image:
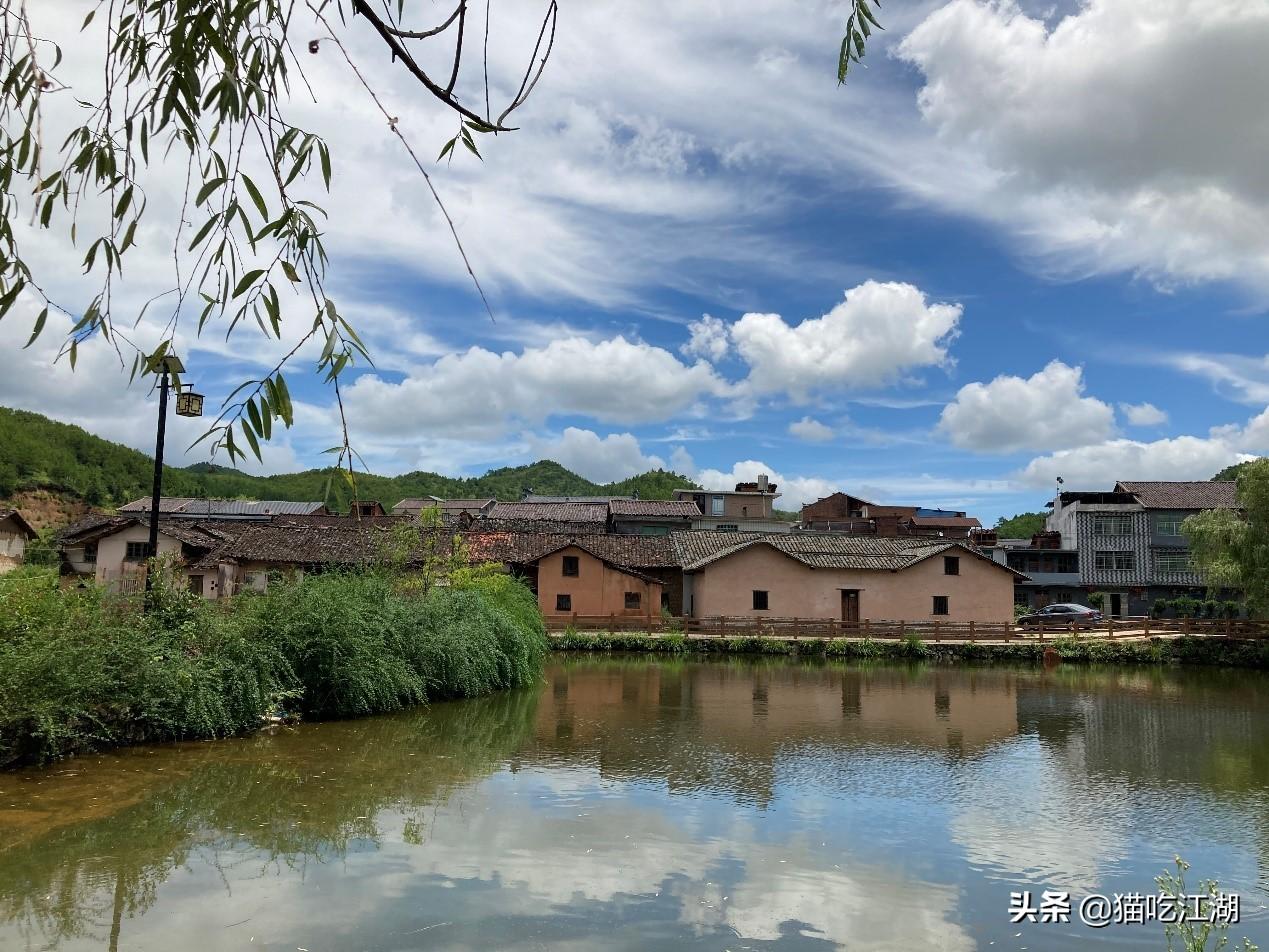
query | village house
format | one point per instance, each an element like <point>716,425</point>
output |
<point>835,576</point>
<point>842,512</point>
<point>596,574</point>
<point>750,507</point>
<point>15,533</point>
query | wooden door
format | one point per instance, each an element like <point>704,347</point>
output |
<point>850,605</point>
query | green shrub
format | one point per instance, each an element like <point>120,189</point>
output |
<point>80,670</point>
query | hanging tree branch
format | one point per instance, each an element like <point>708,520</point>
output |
<point>209,79</point>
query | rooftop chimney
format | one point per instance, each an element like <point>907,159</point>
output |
<point>762,482</point>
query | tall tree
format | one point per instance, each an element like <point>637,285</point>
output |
<point>1231,549</point>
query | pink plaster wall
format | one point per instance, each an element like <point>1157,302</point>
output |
<point>981,593</point>
<point>596,590</point>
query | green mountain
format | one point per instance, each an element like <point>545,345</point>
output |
<point>39,453</point>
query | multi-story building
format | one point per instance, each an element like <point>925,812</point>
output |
<point>1128,542</point>
<point>750,507</point>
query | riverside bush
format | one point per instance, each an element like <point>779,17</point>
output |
<point>81,671</point>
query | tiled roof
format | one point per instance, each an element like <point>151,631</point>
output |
<point>655,508</point>
<point>948,522</point>
<point>595,512</point>
<point>640,552</point>
<point>189,506</point>
<point>1183,495</point>
<point>534,497</point>
<point>444,504</point>
<point>19,519</point>
<point>816,549</point>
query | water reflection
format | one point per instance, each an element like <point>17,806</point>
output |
<point>658,804</point>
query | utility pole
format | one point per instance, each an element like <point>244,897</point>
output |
<point>189,404</point>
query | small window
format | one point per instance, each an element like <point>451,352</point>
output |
<point>563,603</point>
<point>728,527</point>
<point>716,506</point>
<point>1168,524</point>
<point>634,600</point>
<point>90,552</point>
<point>951,565</point>
<point>137,551</point>
<point>940,605</point>
<point>571,566</point>
<point>759,600</point>
<point>196,584</point>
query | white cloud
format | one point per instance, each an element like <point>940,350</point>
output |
<point>1143,414</point>
<point>710,339</point>
<point>681,462</point>
<point>479,394</point>
<point>880,332</point>
<point>1129,135</point>
<point>1045,410</point>
<point>812,431</point>
<point>1182,457</point>
<point>601,460</point>
<point>1236,376</point>
<point>795,491</point>
<point>96,395</point>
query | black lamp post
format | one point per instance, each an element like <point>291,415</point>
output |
<point>188,403</point>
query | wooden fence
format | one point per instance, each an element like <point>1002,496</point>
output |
<point>748,626</point>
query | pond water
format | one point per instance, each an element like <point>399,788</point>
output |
<point>662,804</point>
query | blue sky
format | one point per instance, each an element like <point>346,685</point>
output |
<point>1028,241</point>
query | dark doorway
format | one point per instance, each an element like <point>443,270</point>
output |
<point>850,605</point>
<point>1116,605</point>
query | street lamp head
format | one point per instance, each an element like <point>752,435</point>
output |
<point>189,403</point>
<point>172,364</point>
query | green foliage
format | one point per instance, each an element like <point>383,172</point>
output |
<point>81,671</point>
<point>859,26</point>
<point>1022,526</point>
<point>1232,472</point>
<point>40,453</point>
<point>1230,550</point>
<point>1097,600</point>
<point>1193,934</point>
<point>1249,653</point>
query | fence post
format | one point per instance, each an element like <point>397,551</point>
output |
<point>1185,626</point>
<point>971,629</point>
<point>1110,628</point>
<point>574,621</point>
<point>937,636</point>
<point>1145,627</point>
<point>903,626</point>
<point>722,626</point>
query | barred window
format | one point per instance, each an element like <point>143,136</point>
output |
<point>1168,525</point>
<point>1178,561</point>
<point>1115,561</point>
<point>940,605</point>
<point>137,552</point>
<point>1108,525</point>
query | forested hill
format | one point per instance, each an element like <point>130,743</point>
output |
<point>37,453</point>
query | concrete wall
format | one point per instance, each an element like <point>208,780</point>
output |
<point>982,592</point>
<point>597,589</point>
<point>12,542</point>
<point>112,549</point>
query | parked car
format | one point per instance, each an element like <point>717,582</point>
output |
<point>1062,614</point>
